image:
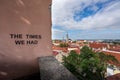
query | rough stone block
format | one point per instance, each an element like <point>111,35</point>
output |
<point>51,69</point>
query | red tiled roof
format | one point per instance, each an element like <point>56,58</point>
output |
<point>77,49</point>
<point>82,44</point>
<point>64,49</point>
<point>115,48</point>
<point>117,56</point>
<point>73,46</point>
<point>114,77</point>
<point>98,45</point>
<point>55,53</point>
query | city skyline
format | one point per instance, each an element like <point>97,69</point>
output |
<point>86,19</point>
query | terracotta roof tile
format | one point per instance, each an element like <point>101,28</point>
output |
<point>117,56</point>
<point>114,77</point>
<point>98,45</point>
<point>64,49</point>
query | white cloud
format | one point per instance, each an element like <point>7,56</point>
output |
<point>63,12</point>
<point>57,33</point>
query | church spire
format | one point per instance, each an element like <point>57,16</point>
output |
<point>67,38</point>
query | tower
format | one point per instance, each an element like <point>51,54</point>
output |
<point>67,38</point>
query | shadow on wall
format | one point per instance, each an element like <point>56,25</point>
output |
<point>11,69</point>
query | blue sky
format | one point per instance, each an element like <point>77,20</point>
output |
<point>86,19</point>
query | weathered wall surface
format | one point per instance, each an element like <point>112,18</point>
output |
<point>23,17</point>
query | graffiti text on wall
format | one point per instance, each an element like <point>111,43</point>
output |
<point>27,39</point>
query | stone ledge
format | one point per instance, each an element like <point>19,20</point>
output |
<point>51,69</point>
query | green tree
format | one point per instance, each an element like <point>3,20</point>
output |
<point>63,45</point>
<point>88,65</point>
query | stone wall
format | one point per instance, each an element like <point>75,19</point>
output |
<point>51,69</point>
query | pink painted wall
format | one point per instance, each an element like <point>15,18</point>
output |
<point>23,17</point>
